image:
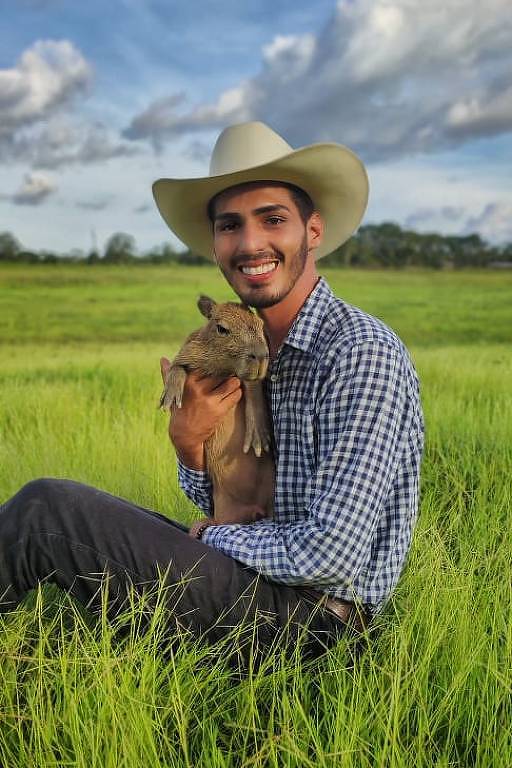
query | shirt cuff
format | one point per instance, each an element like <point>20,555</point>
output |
<point>196,477</point>
<point>215,534</point>
<point>197,485</point>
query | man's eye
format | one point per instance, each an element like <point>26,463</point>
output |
<point>275,219</point>
<point>227,226</point>
<point>222,330</point>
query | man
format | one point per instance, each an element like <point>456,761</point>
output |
<point>347,420</point>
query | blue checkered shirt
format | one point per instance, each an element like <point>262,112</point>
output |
<point>349,432</point>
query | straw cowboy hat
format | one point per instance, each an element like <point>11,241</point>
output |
<point>332,175</point>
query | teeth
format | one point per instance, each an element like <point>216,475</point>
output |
<point>259,270</point>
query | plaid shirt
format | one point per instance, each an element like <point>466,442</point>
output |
<point>349,432</point>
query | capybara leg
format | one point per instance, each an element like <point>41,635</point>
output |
<point>257,424</point>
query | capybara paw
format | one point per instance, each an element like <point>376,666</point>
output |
<point>173,390</point>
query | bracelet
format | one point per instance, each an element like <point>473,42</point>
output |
<point>201,529</point>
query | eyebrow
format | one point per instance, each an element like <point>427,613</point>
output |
<point>256,212</point>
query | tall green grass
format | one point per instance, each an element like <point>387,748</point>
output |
<point>79,384</point>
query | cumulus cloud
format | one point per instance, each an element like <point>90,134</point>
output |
<point>47,75</point>
<point>63,141</point>
<point>37,100</point>
<point>156,121</point>
<point>494,223</point>
<point>387,77</point>
<point>423,216</point>
<point>164,119</point>
<point>35,189</point>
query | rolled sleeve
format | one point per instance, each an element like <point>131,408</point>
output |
<point>197,486</point>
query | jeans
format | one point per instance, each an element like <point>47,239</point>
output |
<point>88,541</point>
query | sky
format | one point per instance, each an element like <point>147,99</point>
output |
<point>98,99</point>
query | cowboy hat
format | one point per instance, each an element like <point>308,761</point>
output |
<point>332,175</point>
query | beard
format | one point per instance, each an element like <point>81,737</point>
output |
<point>297,265</point>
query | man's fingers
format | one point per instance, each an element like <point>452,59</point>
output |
<point>202,382</point>
<point>219,385</point>
<point>228,387</point>
<point>231,398</point>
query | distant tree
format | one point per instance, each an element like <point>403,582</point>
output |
<point>92,257</point>
<point>373,246</point>
<point>506,252</point>
<point>120,248</point>
<point>29,257</point>
<point>9,247</point>
<point>190,258</point>
<point>161,254</point>
<point>48,257</point>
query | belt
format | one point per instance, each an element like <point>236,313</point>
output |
<point>354,616</point>
<point>351,614</point>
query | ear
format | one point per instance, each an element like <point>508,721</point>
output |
<point>315,231</point>
<point>206,305</point>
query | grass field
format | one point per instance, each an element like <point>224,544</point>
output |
<point>79,383</point>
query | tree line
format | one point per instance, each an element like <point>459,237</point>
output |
<point>373,246</point>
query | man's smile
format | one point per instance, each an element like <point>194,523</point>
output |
<point>258,270</point>
<point>268,266</point>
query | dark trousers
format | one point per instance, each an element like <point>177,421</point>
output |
<point>90,542</point>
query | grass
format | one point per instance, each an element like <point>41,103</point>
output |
<point>79,383</point>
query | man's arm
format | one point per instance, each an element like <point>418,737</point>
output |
<point>197,486</point>
<point>364,417</point>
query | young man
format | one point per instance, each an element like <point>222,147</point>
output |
<point>347,419</point>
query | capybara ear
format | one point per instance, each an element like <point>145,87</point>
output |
<point>206,305</point>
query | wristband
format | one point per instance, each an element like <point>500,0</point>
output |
<point>201,529</point>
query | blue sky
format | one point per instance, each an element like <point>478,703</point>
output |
<point>99,99</point>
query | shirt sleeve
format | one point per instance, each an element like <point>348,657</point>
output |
<point>197,486</point>
<point>363,419</point>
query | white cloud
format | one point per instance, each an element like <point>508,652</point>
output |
<point>494,223</point>
<point>482,114</point>
<point>386,77</point>
<point>35,189</point>
<point>294,50</point>
<point>427,216</point>
<point>63,140</point>
<point>47,75</point>
<point>443,193</point>
<point>39,110</point>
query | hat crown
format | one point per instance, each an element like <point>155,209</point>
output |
<point>246,145</point>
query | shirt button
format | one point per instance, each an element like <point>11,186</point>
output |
<point>274,377</point>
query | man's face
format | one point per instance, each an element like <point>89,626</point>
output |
<point>260,242</point>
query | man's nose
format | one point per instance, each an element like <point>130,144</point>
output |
<point>252,239</point>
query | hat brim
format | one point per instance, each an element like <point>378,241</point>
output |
<point>332,175</point>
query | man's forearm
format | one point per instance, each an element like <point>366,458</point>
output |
<point>191,456</point>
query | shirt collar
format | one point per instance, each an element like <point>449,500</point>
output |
<point>306,326</point>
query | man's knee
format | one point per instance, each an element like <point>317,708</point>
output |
<point>42,489</point>
<point>37,501</point>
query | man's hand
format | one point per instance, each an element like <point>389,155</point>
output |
<point>206,400</point>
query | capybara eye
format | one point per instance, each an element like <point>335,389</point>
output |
<point>222,329</point>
